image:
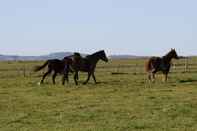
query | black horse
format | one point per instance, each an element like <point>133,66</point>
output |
<point>87,64</point>
<point>155,64</point>
<point>58,66</point>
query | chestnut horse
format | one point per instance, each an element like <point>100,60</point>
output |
<point>163,64</point>
<point>87,64</point>
<point>58,66</point>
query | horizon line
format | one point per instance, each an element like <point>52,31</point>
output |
<point>111,54</point>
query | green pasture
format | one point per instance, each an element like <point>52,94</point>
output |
<point>124,101</point>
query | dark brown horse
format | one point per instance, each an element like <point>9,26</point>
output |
<point>155,64</point>
<point>87,64</point>
<point>58,66</point>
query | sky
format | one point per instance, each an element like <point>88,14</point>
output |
<point>136,27</point>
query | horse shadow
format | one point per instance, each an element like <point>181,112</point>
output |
<point>188,81</point>
<point>101,82</point>
<point>108,82</point>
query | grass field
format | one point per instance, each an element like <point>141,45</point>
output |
<point>124,102</point>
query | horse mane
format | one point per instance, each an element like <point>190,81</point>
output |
<point>94,53</point>
<point>97,52</point>
<point>168,56</point>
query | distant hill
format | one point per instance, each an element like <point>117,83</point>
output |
<point>126,57</point>
<point>58,55</point>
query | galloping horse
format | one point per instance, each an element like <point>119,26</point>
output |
<point>87,64</point>
<point>58,66</point>
<point>155,64</point>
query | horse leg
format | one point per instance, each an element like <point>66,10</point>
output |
<point>94,78</point>
<point>65,77</point>
<point>165,77</point>
<point>75,77</point>
<point>149,76</point>
<point>53,77</point>
<point>153,77</point>
<point>89,74</point>
<point>48,72</point>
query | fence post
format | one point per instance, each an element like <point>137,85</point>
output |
<point>118,69</point>
<point>186,65</point>
<point>135,71</point>
<point>173,67</point>
<point>24,71</point>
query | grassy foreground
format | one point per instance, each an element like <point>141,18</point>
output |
<point>125,102</point>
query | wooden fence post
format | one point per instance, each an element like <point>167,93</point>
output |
<point>186,65</point>
<point>24,71</point>
<point>135,71</point>
<point>118,69</point>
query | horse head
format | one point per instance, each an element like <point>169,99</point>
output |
<point>103,56</point>
<point>174,54</point>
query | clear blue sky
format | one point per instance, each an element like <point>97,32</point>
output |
<point>139,27</point>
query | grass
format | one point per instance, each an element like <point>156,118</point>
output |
<point>122,102</point>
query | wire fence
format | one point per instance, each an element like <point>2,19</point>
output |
<point>136,67</point>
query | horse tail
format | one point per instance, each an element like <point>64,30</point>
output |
<point>148,65</point>
<point>38,68</point>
